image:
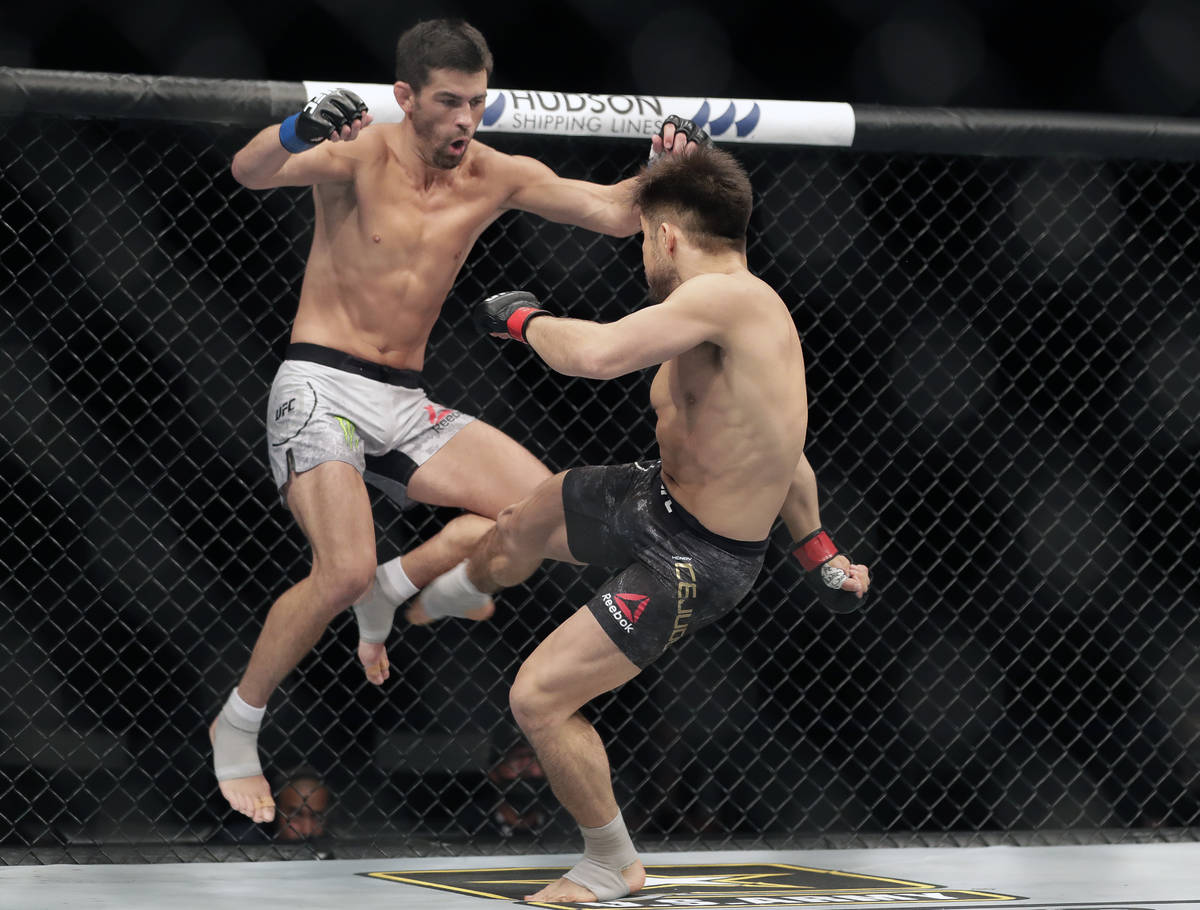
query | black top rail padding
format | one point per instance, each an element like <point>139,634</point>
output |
<point>968,131</point>
<point>77,94</point>
<point>877,128</point>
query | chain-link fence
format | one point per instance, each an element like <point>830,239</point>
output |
<point>1005,421</point>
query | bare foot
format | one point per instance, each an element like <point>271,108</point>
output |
<point>373,656</point>
<point>249,795</point>
<point>416,614</point>
<point>567,891</point>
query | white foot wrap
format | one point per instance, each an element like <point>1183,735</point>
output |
<point>452,594</point>
<point>378,607</point>
<point>235,744</point>
<point>606,852</point>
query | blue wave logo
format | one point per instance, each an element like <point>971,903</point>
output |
<point>718,125</point>
<point>492,112</point>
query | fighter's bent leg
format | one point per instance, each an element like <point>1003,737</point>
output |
<point>480,470</point>
<point>330,504</point>
<point>577,662</point>
<point>525,533</point>
<point>398,580</point>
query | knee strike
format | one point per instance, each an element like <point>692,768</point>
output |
<point>466,531</point>
<point>514,530</point>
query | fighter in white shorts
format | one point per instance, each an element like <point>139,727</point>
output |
<point>329,406</point>
<point>397,208</point>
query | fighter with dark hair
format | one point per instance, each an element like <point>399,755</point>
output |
<point>684,533</point>
<point>398,207</point>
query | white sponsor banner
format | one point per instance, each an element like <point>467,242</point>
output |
<point>637,116</point>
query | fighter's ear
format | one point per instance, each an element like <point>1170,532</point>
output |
<point>668,236</point>
<point>405,96</point>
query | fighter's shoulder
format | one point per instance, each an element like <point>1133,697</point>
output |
<point>371,145</point>
<point>717,290</point>
<point>516,170</point>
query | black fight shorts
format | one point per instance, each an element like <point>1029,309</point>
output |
<point>675,575</point>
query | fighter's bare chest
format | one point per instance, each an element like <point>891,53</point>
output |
<point>441,214</point>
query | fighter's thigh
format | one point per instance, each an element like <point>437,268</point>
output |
<point>574,664</point>
<point>331,505</point>
<point>481,470</point>
<point>537,522</point>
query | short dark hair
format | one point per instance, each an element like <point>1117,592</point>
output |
<point>706,192</point>
<point>440,44</point>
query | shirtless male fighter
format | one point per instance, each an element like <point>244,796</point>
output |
<point>685,533</point>
<point>398,207</point>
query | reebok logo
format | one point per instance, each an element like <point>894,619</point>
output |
<point>435,415</point>
<point>632,605</point>
<point>626,609</point>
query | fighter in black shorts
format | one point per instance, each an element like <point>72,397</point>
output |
<point>687,533</point>
<point>675,575</point>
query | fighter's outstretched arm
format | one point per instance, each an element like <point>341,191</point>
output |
<point>604,209</point>
<point>693,314</point>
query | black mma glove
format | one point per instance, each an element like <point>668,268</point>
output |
<point>324,115</point>
<point>690,131</point>
<point>814,553</point>
<point>508,313</point>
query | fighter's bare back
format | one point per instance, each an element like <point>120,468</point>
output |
<point>732,417</point>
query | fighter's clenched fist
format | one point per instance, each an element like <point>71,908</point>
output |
<point>336,114</point>
<point>505,315</point>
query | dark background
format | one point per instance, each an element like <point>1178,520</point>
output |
<point>1130,56</point>
<point>1002,375</point>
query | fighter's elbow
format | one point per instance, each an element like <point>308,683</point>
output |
<point>591,361</point>
<point>605,364</point>
<point>587,366</point>
<point>624,222</point>
<point>246,176</point>
<point>238,170</point>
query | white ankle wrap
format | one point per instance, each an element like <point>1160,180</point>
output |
<point>452,594</point>
<point>606,852</point>
<point>235,740</point>
<point>377,608</point>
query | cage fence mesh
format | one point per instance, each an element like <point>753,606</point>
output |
<point>1005,423</point>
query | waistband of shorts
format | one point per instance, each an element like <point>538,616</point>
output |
<point>348,363</point>
<point>751,548</point>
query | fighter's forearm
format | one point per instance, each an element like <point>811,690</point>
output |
<point>574,347</point>
<point>611,210</point>
<point>260,159</point>
<point>801,512</point>
<point>626,219</point>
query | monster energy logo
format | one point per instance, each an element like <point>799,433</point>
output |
<point>349,431</point>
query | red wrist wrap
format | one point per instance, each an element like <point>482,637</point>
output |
<point>815,550</point>
<point>518,319</point>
